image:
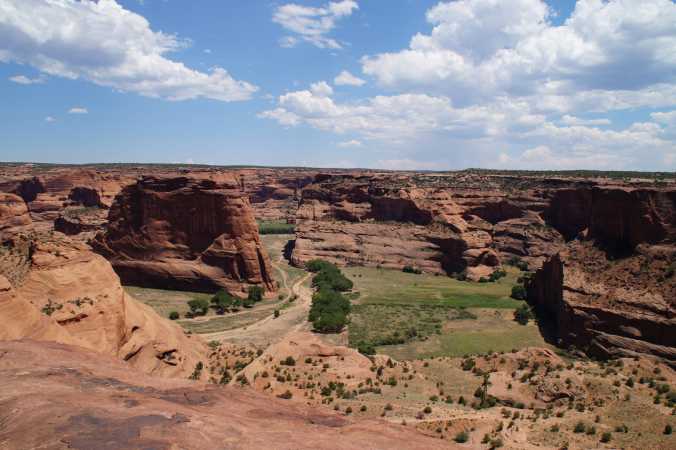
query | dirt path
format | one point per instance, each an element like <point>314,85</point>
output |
<point>271,329</point>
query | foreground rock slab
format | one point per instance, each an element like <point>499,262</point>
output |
<point>57,396</point>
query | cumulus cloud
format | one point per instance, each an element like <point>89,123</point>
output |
<point>480,49</point>
<point>521,137</point>
<point>78,110</point>
<point>110,46</point>
<point>497,82</point>
<point>22,79</point>
<point>321,89</point>
<point>312,24</point>
<point>345,78</point>
<point>50,119</point>
<point>397,117</point>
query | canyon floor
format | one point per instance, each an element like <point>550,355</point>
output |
<point>546,397</point>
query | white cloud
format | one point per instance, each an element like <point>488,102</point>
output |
<point>312,24</point>
<point>50,119</point>
<point>110,46</point>
<point>22,79</point>
<point>321,89</point>
<point>482,49</point>
<point>345,78</point>
<point>572,120</point>
<point>496,82</point>
<point>350,143</point>
<point>526,139</point>
<point>207,51</point>
<point>78,110</point>
<point>405,116</point>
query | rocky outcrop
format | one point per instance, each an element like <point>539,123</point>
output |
<point>95,402</point>
<point>612,291</point>
<point>66,293</point>
<point>13,214</point>
<point>185,233</point>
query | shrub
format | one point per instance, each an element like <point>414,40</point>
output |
<point>668,429</point>
<point>496,443</point>
<point>255,293</point>
<point>289,361</point>
<point>198,306</point>
<point>580,427</point>
<point>222,301</point>
<point>519,292</point>
<point>523,314</point>
<point>286,395</point>
<point>174,315</point>
<point>461,437</point>
<point>276,313</point>
<point>366,348</point>
<point>411,269</point>
<point>606,437</point>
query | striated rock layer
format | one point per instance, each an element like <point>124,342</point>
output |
<point>395,221</point>
<point>612,290</point>
<point>185,233</point>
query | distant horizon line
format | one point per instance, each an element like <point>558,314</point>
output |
<point>272,166</point>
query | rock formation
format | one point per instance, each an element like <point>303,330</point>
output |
<point>612,290</point>
<point>61,291</point>
<point>93,401</point>
<point>393,221</point>
<point>13,214</point>
<point>185,233</point>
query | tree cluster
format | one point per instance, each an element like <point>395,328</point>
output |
<point>330,308</point>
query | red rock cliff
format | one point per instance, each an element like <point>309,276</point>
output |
<point>612,291</point>
<point>185,233</point>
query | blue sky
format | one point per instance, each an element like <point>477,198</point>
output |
<point>434,85</point>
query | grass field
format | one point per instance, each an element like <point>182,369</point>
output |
<point>410,316</point>
<point>275,227</point>
<point>163,301</point>
<point>388,287</point>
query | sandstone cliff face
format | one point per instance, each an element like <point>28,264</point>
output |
<point>274,193</point>
<point>65,293</point>
<point>13,214</point>
<point>393,221</point>
<point>612,291</point>
<point>185,233</point>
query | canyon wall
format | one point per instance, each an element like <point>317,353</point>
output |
<point>438,226</point>
<point>611,291</point>
<point>185,233</point>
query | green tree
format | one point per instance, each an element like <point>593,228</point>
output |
<point>523,314</point>
<point>174,315</point>
<point>198,306</point>
<point>222,301</point>
<point>519,292</point>
<point>255,293</point>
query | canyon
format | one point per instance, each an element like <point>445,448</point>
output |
<point>596,256</point>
